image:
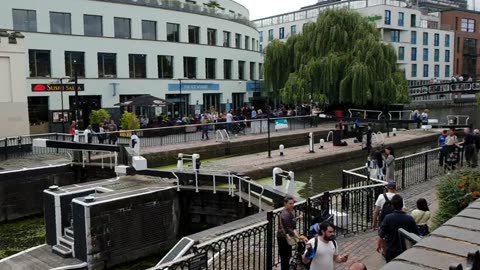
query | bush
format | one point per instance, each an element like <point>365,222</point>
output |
<point>96,117</point>
<point>129,121</point>
<point>455,192</point>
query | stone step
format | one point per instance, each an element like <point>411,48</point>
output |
<point>69,232</point>
<point>68,238</point>
<point>66,243</point>
<point>62,251</point>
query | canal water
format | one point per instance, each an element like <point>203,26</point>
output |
<point>441,114</point>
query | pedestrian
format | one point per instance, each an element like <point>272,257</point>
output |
<point>112,129</point>
<point>358,266</point>
<point>383,205</point>
<point>389,242</point>
<point>470,148</point>
<point>476,132</point>
<point>71,129</point>
<point>424,117</point>
<point>421,215</point>
<point>452,154</point>
<point>389,164</point>
<point>253,115</point>
<point>287,234</point>
<point>368,134</point>
<point>88,134</point>
<point>229,121</point>
<point>321,251</point>
<point>451,135</point>
<point>204,120</point>
<point>376,166</point>
<point>442,142</point>
<point>101,134</point>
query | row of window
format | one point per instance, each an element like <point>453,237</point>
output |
<point>401,19</point>
<point>467,25</point>
<point>426,68</point>
<point>436,54</point>
<point>60,23</point>
<point>281,33</point>
<point>395,37</point>
<point>40,66</point>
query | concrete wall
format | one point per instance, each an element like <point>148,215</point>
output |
<point>13,98</point>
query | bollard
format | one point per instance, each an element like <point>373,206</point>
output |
<point>76,136</point>
<point>195,160</point>
<point>180,162</point>
<point>281,148</point>
<point>135,144</point>
<point>394,132</point>
<point>290,188</point>
<point>322,143</point>
<point>277,179</point>
<point>311,143</point>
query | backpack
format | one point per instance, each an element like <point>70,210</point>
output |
<point>315,245</point>
<point>387,208</point>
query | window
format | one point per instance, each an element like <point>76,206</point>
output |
<point>194,34</point>
<point>261,48</point>
<point>436,71</point>
<point>92,26</point>
<point>212,36</point>
<point>75,61</point>
<point>247,43</point>
<point>414,54</point>
<point>24,20</point>
<point>388,17</point>
<point>190,67</point>
<point>122,27</point>
<point>395,36</point>
<point>447,40</point>
<point>293,29</point>
<point>39,62</point>
<point>414,37</point>
<point>281,33</point>
<point>447,56</point>
<point>149,30</point>
<point>425,71</point>
<point>241,70</point>
<point>401,53</point>
<point>414,70</point>
<point>436,56</point>
<point>137,65</point>
<point>260,71</point>
<point>425,54</point>
<point>413,20</point>
<point>436,40</point>
<point>107,65</point>
<point>227,69</point>
<point>173,32</point>
<point>260,37</point>
<point>270,35</point>
<point>401,18</point>
<point>447,71</point>
<point>468,25</point>
<point>253,44</point>
<point>238,39</point>
<point>165,66</point>
<point>210,68</point>
<point>252,71</point>
<point>60,23</point>
<point>226,39</point>
<point>425,38</point>
<point>470,47</point>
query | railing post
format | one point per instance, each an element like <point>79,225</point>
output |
<point>426,166</point>
<point>56,139</point>
<point>403,173</point>
<point>269,256</point>
<point>185,134</point>
<point>6,148</point>
<point>344,180</point>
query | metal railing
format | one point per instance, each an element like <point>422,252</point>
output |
<point>362,114</point>
<point>444,88</point>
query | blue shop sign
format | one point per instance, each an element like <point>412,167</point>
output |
<point>194,87</point>
<point>253,86</point>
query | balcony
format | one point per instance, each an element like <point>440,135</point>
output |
<point>186,7</point>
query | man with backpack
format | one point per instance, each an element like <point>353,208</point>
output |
<point>383,205</point>
<point>321,251</point>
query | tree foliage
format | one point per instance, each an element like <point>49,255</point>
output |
<point>340,58</point>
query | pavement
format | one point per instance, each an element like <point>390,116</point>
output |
<point>362,247</point>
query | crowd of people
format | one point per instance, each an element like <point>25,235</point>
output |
<point>451,149</point>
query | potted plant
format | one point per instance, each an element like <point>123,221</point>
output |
<point>97,117</point>
<point>129,122</point>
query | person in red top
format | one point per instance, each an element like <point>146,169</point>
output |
<point>72,128</point>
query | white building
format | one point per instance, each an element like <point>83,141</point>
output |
<point>424,50</point>
<point>13,99</point>
<point>124,48</point>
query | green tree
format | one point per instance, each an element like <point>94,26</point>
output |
<point>129,121</point>
<point>97,117</point>
<point>340,58</point>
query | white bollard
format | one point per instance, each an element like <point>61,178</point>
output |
<point>180,162</point>
<point>135,144</point>
<point>195,157</point>
<point>290,188</point>
<point>276,179</point>
<point>76,136</point>
<point>311,143</point>
<point>281,149</point>
<point>322,143</point>
<point>394,131</point>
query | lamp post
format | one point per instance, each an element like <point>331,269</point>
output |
<point>268,128</point>
<point>61,97</point>
<point>181,97</point>
<point>75,80</point>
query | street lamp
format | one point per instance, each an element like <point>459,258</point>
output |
<point>181,97</point>
<point>268,128</point>
<point>61,96</point>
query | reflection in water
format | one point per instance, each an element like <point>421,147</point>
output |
<point>442,112</point>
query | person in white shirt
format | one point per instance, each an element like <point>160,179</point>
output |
<point>229,121</point>
<point>391,191</point>
<point>321,251</point>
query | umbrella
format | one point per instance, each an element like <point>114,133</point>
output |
<point>144,101</point>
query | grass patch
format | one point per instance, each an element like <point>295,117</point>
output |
<point>20,235</point>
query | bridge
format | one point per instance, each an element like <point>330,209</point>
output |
<point>454,88</point>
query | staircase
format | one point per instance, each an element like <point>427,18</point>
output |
<point>64,247</point>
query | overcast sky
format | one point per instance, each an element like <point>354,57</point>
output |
<point>265,8</point>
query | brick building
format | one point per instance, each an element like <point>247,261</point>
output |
<point>465,24</point>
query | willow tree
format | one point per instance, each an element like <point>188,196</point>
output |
<point>340,58</point>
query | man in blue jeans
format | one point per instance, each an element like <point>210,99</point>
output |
<point>389,243</point>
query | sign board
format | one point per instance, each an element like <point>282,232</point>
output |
<point>374,18</point>
<point>56,87</point>
<point>281,124</point>
<point>194,87</point>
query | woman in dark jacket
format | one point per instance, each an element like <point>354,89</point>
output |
<point>286,226</point>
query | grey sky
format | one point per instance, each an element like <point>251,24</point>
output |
<point>265,8</point>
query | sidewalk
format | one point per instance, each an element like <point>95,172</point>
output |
<point>362,247</point>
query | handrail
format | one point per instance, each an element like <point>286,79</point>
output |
<point>458,116</point>
<point>400,114</point>
<point>328,135</point>
<point>350,111</point>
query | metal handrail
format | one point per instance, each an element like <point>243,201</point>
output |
<point>458,116</point>
<point>350,111</point>
<point>401,113</point>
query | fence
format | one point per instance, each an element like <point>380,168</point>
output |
<point>21,146</point>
